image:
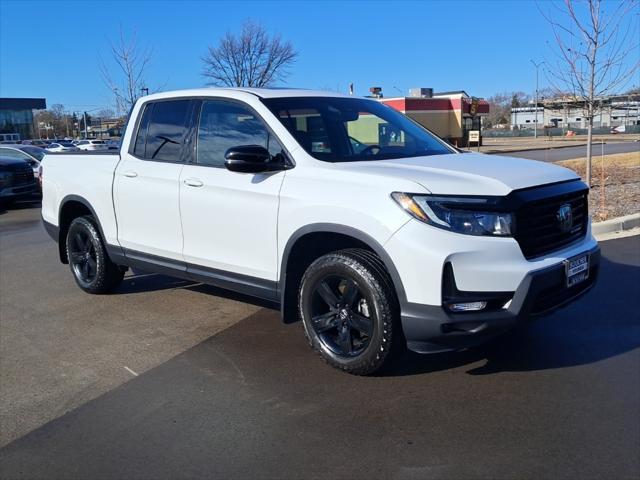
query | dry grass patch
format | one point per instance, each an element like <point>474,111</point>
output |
<point>615,189</point>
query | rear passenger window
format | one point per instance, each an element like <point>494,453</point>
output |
<point>226,124</point>
<point>167,130</point>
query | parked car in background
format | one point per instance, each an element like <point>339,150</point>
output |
<point>404,243</point>
<point>10,138</point>
<point>32,155</point>
<point>92,145</point>
<point>62,147</point>
<point>113,144</point>
<point>16,179</point>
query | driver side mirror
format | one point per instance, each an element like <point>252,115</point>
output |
<point>251,159</point>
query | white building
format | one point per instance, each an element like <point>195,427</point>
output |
<point>527,117</point>
<point>564,113</point>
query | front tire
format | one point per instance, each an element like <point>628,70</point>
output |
<point>348,308</point>
<point>90,265</point>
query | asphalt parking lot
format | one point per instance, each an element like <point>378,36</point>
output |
<point>216,388</point>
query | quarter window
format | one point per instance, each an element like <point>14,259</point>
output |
<point>224,125</point>
<point>141,138</point>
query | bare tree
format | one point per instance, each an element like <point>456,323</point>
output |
<point>126,77</point>
<point>106,113</point>
<point>595,53</point>
<point>55,121</point>
<point>254,59</point>
<point>500,106</point>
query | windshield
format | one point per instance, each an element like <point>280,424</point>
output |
<point>35,152</point>
<point>337,129</point>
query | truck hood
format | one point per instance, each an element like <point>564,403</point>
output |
<point>468,173</point>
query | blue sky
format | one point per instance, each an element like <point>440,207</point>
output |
<point>51,49</point>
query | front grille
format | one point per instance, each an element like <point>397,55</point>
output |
<point>21,177</point>
<point>538,230</point>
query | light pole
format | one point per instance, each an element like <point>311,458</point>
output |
<point>535,126</point>
<point>84,117</point>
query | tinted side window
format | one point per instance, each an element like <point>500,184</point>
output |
<point>141,138</point>
<point>227,124</point>
<point>167,130</point>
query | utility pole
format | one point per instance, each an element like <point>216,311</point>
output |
<point>535,128</point>
<point>144,90</point>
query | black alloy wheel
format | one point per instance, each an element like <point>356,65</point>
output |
<point>349,311</point>
<point>92,269</point>
<point>82,256</point>
<point>340,315</point>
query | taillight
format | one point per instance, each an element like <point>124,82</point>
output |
<point>40,173</point>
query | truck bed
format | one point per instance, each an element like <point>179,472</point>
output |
<point>86,175</point>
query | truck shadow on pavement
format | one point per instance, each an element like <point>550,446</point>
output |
<point>139,282</point>
<point>602,324</point>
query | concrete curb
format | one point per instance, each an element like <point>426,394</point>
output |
<point>619,224</point>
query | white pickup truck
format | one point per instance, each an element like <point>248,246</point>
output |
<point>375,242</point>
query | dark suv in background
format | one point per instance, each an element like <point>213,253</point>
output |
<point>16,180</point>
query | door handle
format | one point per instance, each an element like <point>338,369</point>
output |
<point>193,182</point>
<point>130,174</point>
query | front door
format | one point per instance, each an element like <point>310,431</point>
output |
<point>230,219</point>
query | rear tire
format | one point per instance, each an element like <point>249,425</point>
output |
<point>90,265</point>
<point>348,308</point>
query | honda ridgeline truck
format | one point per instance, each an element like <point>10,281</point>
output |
<point>375,240</point>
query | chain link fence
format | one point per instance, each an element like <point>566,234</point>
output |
<point>552,132</point>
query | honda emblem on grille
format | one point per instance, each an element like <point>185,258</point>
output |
<point>565,217</point>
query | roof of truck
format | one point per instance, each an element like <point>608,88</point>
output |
<point>258,92</point>
<point>288,92</point>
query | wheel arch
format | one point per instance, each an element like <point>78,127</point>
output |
<point>71,207</point>
<point>332,237</point>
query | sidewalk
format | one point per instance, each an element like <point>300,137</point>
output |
<point>513,144</point>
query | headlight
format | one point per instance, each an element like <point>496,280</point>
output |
<point>468,215</point>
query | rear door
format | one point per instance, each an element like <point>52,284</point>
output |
<point>146,192</point>
<point>229,219</point>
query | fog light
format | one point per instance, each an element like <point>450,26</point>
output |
<point>467,307</point>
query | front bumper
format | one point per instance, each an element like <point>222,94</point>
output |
<point>430,329</point>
